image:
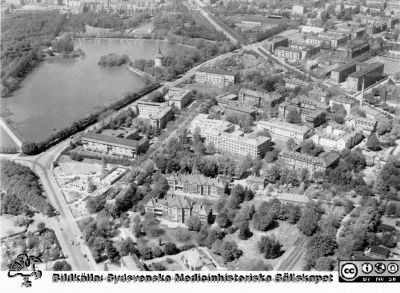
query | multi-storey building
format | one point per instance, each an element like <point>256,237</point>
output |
<point>338,137</point>
<point>369,75</point>
<point>340,73</point>
<point>352,32</point>
<point>276,41</point>
<point>341,100</point>
<point>196,184</point>
<point>258,99</point>
<point>287,53</point>
<point>355,49</point>
<point>392,7</point>
<point>114,146</point>
<point>331,40</point>
<point>204,123</point>
<point>299,161</point>
<point>295,82</point>
<point>284,129</point>
<point>179,97</point>
<point>238,143</point>
<point>306,50</point>
<point>367,125</point>
<point>312,113</point>
<point>236,109</point>
<point>215,77</point>
<point>158,113</point>
<point>176,208</point>
<point>298,9</point>
<point>161,118</point>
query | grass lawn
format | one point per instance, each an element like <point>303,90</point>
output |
<point>286,234</point>
<point>204,88</point>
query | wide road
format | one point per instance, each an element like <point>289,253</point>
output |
<point>64,225</point>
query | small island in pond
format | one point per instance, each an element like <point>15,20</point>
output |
<point>111,60</point>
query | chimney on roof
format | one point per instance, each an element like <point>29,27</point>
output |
<point>362,92</point>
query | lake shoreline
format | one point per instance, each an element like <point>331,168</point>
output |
<point>61,90</point>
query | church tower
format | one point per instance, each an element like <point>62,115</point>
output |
<point>158,58</point>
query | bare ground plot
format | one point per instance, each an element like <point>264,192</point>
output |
<point>9,226</point>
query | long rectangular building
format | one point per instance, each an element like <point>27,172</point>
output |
<point>238,143</point>
<point>114,146</point>
<point>258,99</point>
<point>196,184</point>
<point>216,77</point>
<point>369,74</point>
<point>284,129</point>
<point>299,161</point>
<point>340,73</point>
<point>205,124</point>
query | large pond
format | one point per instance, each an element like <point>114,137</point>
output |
<point>61,90</point>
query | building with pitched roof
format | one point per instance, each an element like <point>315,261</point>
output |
<point>158,113</point>
<point>367,125</point>
<point>177,208</point>
<point>258,99</point>
<point>313,164</point>
<point>312,112</point>
<point>338,137</point>
<point>196,184</point>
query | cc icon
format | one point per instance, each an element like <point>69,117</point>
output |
<point>349,271</point>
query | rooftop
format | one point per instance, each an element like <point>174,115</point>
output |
<point>284,125</point>
<point>215,71</point>
<point>366,70</point>
<point>105,139</point>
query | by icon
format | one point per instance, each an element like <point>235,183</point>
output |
<point>367,268</point>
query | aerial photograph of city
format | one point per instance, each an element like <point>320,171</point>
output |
<point>199,135</point>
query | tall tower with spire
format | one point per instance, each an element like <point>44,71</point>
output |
<point>158,58</point>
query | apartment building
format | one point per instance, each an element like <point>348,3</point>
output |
<point>355,49</point>
<point>331,40</point>
<point>338,137</point>
<point>215,77</point>
<point>369,75</point>
<point>177,208</point>
<point>196,184</point>
<point>277,41</point>
<point>306,50</point>
<point>158,113</point>
<point>298,9</point>
<point>206,124</point>
<point>352,32</point>
<point>179,97</point>
<point>239,143</point>
<point>312,112</point>
<point>258,99</point>
<point>341,100</point>
<point>239,110</point>
<point>108,145</point>
<point>292,83</point>
<point>367,125</point>
<point>161,118</point>
<point>287,53</point>
<point>284,129</point>
<point>299,161</point>
<point>340,73</point>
